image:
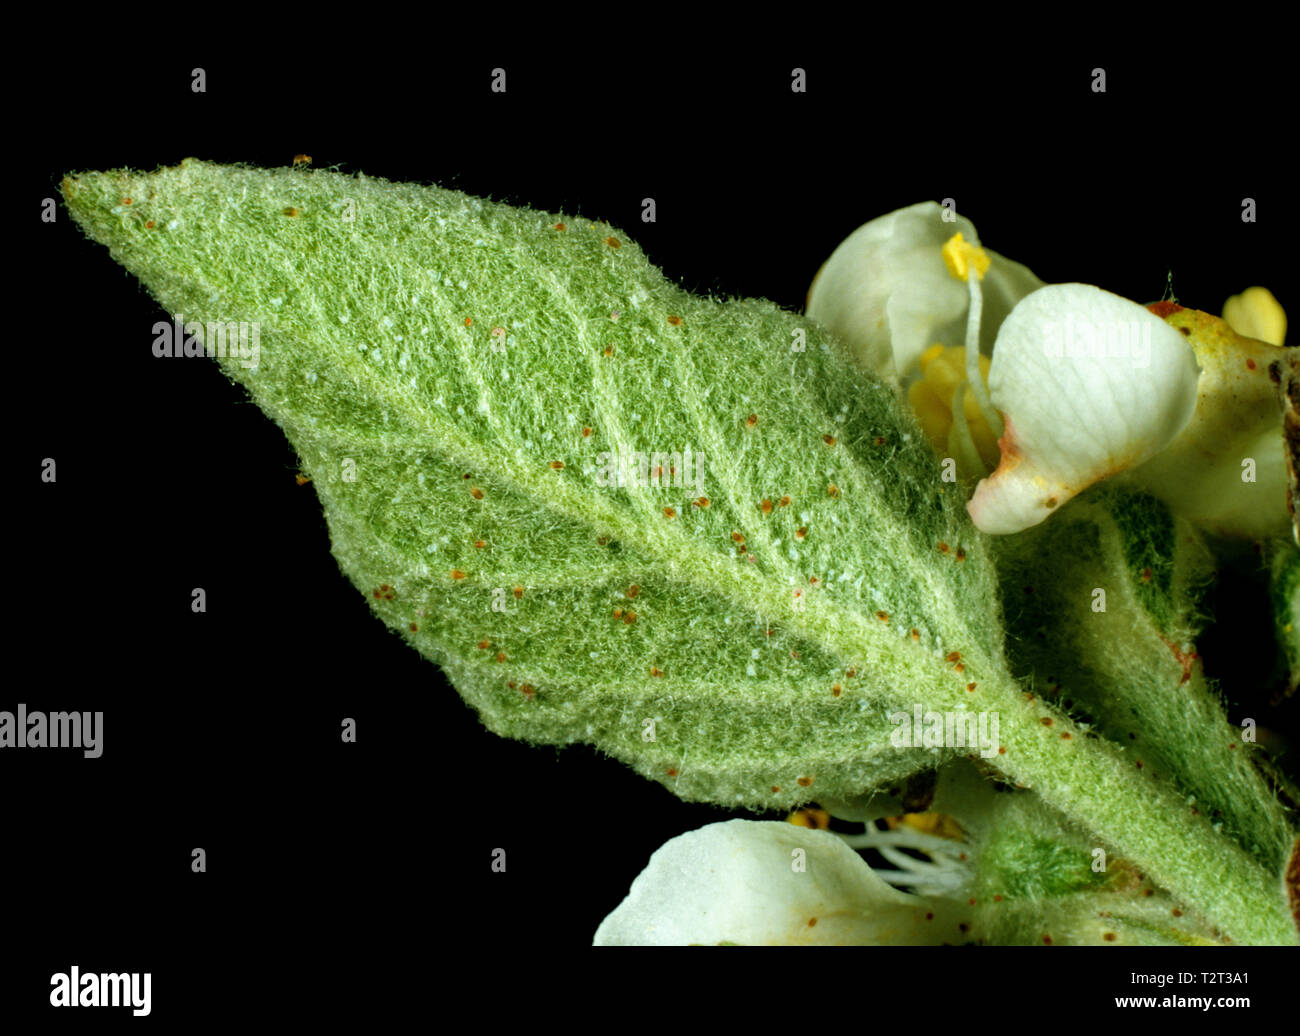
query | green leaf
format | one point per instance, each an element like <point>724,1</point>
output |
<point>1131,671</point>
<point>1284,588</point>
<point>1039,880</point>
<point>780,615</point>
<point>437,360</point>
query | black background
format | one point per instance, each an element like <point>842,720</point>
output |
<point>356,877</point>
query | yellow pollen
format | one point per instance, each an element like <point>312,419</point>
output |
<point>943,369</point>
<point>958,252</point>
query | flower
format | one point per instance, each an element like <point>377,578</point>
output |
<point>1093,385</point>
<point>1082,385</point>
<point>766,883</point>
<point>1090,384</point>
<point>887,293</point>
<point>1255,313</point>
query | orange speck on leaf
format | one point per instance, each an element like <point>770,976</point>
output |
<point>672,773</point>
<point>633,590</point>
<point>476,493</point>
<point>953,656</point>
<point>670,512</point>
<point>291,211</point>
<point>836,690</point>
<point>149,225</point>
<point>480,544</point>
<point>751,420</point>
<point>801,533</point>
<point>629,618</point>
<point>613,242</point>
<point>415,628</point>
<point>518,592</point>
<point>1250,364</point>
<point>970,687</point>
<point>457,574</point>
<point>766,506</point>
<point>916,633</point>
<point>468,321</point>
<point>501,656</point>
<point>829,440</point>
<point>560,226</point>
<point>738,537</point>
<point>882,616</point>
<point>803,782</point>
<point>675,321</point>
<point>833,489</point>
<point>702,502</point>
<point>1046,721</point>
<point>586,432</point>
<point>557,464</point>
<point>784,501</point>
<point>483,645</point>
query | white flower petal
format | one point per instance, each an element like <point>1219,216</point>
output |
<point>737,882</point>
<point>1226,471</point>
<point>1090,384</point>
<point>887,294</point>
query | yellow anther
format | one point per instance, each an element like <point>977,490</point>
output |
<point>943,368</point>
<point>817,819</point>
<point>1255,313</point>
<point>938,824</point>
<point>958,252</point>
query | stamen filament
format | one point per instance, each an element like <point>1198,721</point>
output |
<point>991,416</point>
